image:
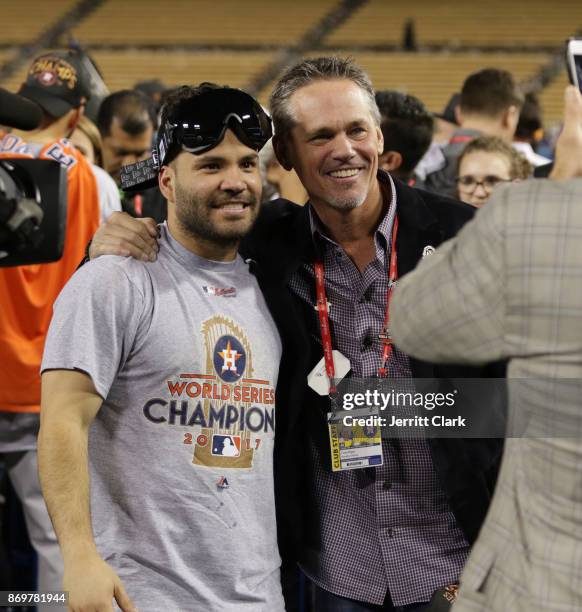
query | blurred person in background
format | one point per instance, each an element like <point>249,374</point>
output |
<point>489,106</point>
<point>530,131</point>
<point>127,121</point>
<point>278,182</point>
<point>87,140</point>
<point>58,83</point>
<point>447,122</point>
<point>485,163</point>
<point>154,90</point>
<point>407,128</point>
<point>444,127</point>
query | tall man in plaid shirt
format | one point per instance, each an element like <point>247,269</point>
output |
<point>383,538</point>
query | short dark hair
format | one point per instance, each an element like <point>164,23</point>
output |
<point>309,71</point>
<point>133,109</point>
<point>490,92</point>
<point>406,126</point>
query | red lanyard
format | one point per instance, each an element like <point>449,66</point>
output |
<point>323,313</point>
<point>459,139</point>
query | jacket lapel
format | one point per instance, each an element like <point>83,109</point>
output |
<point>418,228</point>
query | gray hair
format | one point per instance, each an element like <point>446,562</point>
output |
<point>308,71</point>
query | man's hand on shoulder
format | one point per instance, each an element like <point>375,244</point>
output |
<point>92,584</point>
<point>126,236</point>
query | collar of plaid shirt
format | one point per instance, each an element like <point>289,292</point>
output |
<point>318,230</point>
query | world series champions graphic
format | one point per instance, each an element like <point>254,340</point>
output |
<point>226,410</point>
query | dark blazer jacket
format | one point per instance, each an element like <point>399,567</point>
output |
<point>280,243</point>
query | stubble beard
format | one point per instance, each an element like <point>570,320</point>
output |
<point>345,202</point>
<point>193,215</point>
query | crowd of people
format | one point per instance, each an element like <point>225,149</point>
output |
<point>167,409</point>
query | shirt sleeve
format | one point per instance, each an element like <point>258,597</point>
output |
<point>109,200</point>
<point>451,307</point>
<point>95,322</point>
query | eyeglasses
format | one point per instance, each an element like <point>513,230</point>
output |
<point>469,183</point>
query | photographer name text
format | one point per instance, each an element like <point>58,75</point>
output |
<point>437,420</point>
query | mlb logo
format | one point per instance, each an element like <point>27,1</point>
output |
<point>225,446</point>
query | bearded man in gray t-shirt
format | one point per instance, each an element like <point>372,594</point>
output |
<point>158,388</point>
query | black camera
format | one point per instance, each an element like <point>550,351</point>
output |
<point>33,211</point>
<point>33,196</point>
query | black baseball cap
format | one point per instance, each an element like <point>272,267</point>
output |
<point>57,82</point>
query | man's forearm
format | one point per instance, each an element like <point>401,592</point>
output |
<point>64,476</point>
<point>69,405</point>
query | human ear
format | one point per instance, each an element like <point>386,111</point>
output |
<point>167,183</point>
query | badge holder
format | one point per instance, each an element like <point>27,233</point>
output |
<point>356,439</point>
<point>355,435</point>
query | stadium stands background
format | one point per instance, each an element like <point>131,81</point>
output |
<point>422,47</point>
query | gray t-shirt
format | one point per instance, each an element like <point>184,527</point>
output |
<point>186,355</point>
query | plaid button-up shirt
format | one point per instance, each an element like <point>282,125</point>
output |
<point>395,532</point>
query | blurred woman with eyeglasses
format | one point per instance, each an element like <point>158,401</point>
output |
<point>486,162</point>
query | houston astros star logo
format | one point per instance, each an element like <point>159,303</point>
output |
<point>229,358</point>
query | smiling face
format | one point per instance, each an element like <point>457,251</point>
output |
<point>334,144</point>
<point>214,197</point>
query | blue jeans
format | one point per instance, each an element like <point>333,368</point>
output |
<point>328,602</point>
